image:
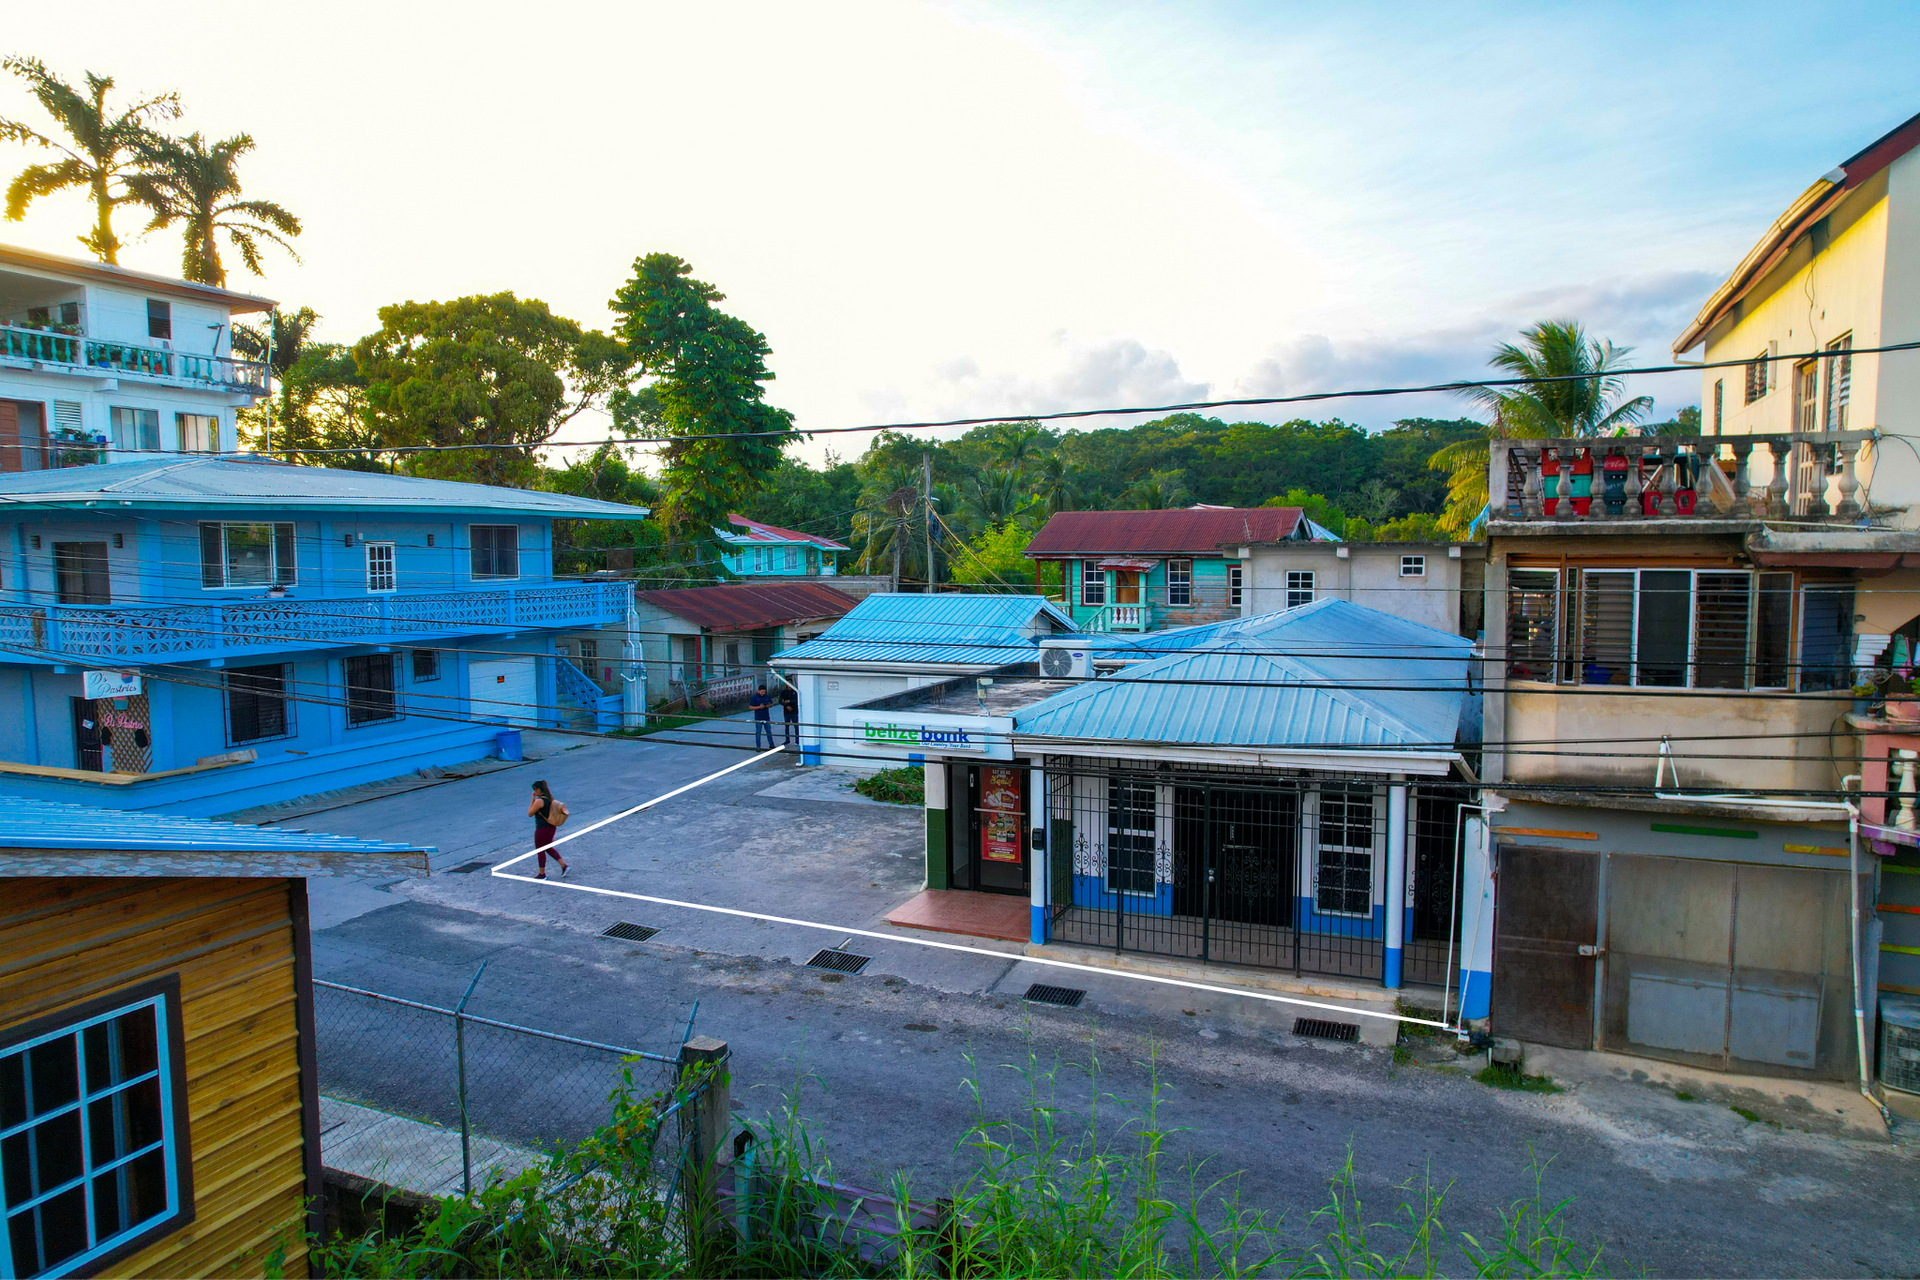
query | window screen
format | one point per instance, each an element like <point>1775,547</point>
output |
<point>1826,636</point>
<point>1664,627</point>
<point>1773,631</point>
<point>257,705</point>
<point>1533,619</point>
<point>1131,808</point>
<point>1723,611</point>
<point>370,689</point>
<point>496,550</point>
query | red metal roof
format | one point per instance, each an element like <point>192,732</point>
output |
<point>1190,531</point>
<point>750,606</point>
<point>759,532</point>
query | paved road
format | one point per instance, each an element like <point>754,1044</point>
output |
<point>1676,1188</point>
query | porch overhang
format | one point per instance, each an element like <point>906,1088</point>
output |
<point>1426,764</point>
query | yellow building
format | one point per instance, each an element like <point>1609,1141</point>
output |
<point>1836,274</point>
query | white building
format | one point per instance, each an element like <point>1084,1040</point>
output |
<point>1422,582</point>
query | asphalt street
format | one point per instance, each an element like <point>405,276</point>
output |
<point>882,1060</point>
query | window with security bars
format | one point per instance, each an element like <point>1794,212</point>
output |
<point>1299,587</point>
<point>1675,628</point>
<point>1132,808</point>
<point>1826,636</point>
<point>426,665</point>
<point>371,696</point>
<point>1533,623</point>
<point>258,707</point>
<point>1756,372</point>
<point>93,1143</point>
<point>1839,382</point>
<point>1179,582</point>
<point>1343,863</point>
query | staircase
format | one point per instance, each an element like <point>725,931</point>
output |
<point>591,709</point>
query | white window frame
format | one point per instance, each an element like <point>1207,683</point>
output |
<point>1091,574</point>
<point>1236,584</point>
<point>198,422</point>
<point>278,574</point>
<point>1179,583</point>
<point>793,559</point>
<point>131,434</point>
<point>1300,587</point>
<point>1839,383</point>
<point>1413,566</point>
<point>169,1073</point>
<point>1374,850</point>
<point>1161,835</point>
<point>383,576</point>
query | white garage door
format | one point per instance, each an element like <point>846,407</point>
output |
<point>504,690</point>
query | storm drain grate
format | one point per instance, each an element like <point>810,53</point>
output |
<point>838,961</point>
<point>629,932</point>
<point>469,869</point>
<point>1065,997</point>
<point>1323,1030</point>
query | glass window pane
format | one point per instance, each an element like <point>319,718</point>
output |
<point>1826,637</point>
<point>1725,604</point>
<point>249,555</point>
<point>13,1090</point>
<point>53,1076</point>
<point>1666,609</point>
<point>63,1228</point>
<point>1773,634</point>
<point>124,1121</point>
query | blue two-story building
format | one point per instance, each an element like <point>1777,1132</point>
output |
<point>205,634</point>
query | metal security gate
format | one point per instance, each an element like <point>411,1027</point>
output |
<point>1549,914</point>
<point>1282,871</point>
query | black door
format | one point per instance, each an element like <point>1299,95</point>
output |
<point>80,573</point>
<point>1548,907</point>
<point>89,735</point>
<point>1191,834</point>
<point>997,843</point>
<point>1435,836</point>
<point>1253,849</point>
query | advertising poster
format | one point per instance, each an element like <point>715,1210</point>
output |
<point>1000,815</point>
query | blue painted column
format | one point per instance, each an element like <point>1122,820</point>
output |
<point>1476,920</point>
<point>1039,861</point>
<point>1396,886</point>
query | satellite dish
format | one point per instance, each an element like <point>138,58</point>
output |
<point>1056,662</point>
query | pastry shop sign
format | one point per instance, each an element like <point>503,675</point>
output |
<point>110,684</point>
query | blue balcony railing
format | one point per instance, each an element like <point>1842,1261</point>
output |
<point>89,355</point>
<point>134,634</point>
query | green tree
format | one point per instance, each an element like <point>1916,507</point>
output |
<point>706,393</point>
<point>892,520</point>
<point>582,546</point>
<point>991,498</point>
<point>193,184</point>
<point>820,500</point>
<point>1323,511</point>
<point>500,372</point>
<point>100,150</point>
<point>1159,491</point>
<point>1057,486</point>
<point>1017,445</point>
<point>995,559</point>
<point>1578,395</point>
<point>319,401</point>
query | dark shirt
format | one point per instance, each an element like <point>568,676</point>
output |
<point>789,704</point>
<point>543,816</point>
<point>760,704</point>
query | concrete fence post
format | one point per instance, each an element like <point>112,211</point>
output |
<point>703,1127</point>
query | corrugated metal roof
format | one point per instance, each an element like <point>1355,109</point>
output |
<point>944,629</point>
<point>223,482</point>
<point>756,531</point>
<point>144,281</point>
<point>1308,677</point>
<point>1189,531</point>
<point>48,824</point>
<point>744,606</point>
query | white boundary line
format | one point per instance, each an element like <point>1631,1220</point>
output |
<point>500,872</point>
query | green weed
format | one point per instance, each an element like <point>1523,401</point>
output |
<point>1501,1077</point>
<point>904,785</point>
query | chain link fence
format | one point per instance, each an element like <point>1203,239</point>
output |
<point>437,1101</point>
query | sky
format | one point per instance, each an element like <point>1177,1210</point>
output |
<point>940,209</point>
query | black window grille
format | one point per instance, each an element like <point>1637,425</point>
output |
<point>426,665</point>
<point>257,704</point>
<point>370,689</point>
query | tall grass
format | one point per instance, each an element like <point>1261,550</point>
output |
<point>1047,1192</point>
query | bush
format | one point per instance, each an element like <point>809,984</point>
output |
<point>905,785</point>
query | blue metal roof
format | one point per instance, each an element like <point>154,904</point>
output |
<point>212,482</point>
<point>948,629</point>
<point>48,824</point>
<point>1328,674</point>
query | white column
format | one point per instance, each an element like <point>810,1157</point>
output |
<point>1039,858</point>
<point>1476,920</point>
<point>1396,886</point>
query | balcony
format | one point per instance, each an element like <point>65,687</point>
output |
<point>1611,480</point>
<point>64,349</point>
<point>130,635</point>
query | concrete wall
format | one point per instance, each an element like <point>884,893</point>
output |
<point>1570,720</point>
<point>1368,574</point>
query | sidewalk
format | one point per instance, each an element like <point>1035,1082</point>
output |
<point>409,1155</point>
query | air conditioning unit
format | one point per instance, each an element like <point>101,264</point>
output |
<point>1900,1043</point>
<point>1059,662</point>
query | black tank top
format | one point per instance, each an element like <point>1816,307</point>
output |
<point>543,816</point>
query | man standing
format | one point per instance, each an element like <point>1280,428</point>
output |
<point>789,716</point>
<point>762,707</point>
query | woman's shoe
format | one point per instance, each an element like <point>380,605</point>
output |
<point>541,876</point>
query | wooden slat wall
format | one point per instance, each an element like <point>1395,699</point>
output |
<point>231,941</point>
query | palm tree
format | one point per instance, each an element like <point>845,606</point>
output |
<point>1578,395</point>
<point>1159,491</point>
<point>99,153</point>
<point>891,514</point>
<point>187,181</point>
<point>989,499</point>
<point>1058,485</point>
<point>1015,444</point>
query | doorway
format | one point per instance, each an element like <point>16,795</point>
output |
<point>80,573</point>
<point>1549,912</point>
<point>90,736</point>
<point>997,818</point>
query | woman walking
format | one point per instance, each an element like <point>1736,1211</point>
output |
<point>547,814</point>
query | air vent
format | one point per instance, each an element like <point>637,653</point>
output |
<point>628,932</point>
<point>1346,1032</point>
<point>838,961</point>
<point>1065,997</point>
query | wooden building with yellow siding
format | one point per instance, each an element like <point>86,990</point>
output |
<point>159,1108</point>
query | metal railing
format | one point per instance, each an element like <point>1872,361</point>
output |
<point>414,1093</point>
<point>51,346</point>
<point>136,633</point>
<point>1609,478</point>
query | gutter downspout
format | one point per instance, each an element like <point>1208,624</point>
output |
<point>1853,944</point>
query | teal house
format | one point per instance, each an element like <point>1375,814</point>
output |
<point>757,550</point>
<point>1150,570</point>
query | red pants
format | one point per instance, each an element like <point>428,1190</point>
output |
<point>544,836</point>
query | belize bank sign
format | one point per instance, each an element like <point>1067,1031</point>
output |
<point>943,737</point>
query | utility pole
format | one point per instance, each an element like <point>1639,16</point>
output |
<point>266,380</point>
<point>926,494</point>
